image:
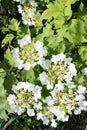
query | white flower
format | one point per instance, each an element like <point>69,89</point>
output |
<point>39,116</point>
<point>22,85</point>
<point>26,56</point>
<point>45,120</point>
<point>24,41</point>
<point>49,85</point>
<point>27,66</point>
<point>71,85</point>
<point>38,106</point>
<point>53,123</point>
<point>80,97</point>
<point>30,112</point>
<point>43,78</point>
<point>59,57</point>
<point>68,78</point>
<point>18,61</point>
<point>28,10</point>
<point>33,3</point>
<point>11,99</point>
<point>39,47</point>
<point>77,111</point>
<point>44,63</point>
<point>25,97</point>
<point>59,86</point>
<point>37,92</point>
<point>84,103</point>
<point>58,69</point>
<point>68,60</point>
<point>20,9</point>
<point>16,109</point>
<point>61,115</point>
<point>72,69</point>
<point>81,89</point>
<point>49,101</point>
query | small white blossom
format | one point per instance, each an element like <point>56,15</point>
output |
<point>80,97</point>
<point>30,112</point>
<point>49,86</point>
<point>39,116</point>
<point>77,111</point>
<point>53,123</point>
<point>81,89</point>
<point>38,106</point>
<point>45,120</point>
<point>24,41</point>
<point>59,86</point>
<point>49,101</point>
<point>59,57</point>
<point>39,47</point>
<point>11,99</point>
<point>43,78</point>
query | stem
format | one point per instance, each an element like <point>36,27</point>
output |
<point>8,123</point>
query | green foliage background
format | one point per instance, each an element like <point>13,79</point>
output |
<point>62,26</point>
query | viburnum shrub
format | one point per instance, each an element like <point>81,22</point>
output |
<point>43,64</point>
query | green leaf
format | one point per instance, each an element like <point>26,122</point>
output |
<point>52,11</point>
<point>83,52</point>
<point>8,39</point>
<point>23,30</point>
<point>14,25</point>
<point>2,73</point>
<point>28,75</point>
<point>79,78</point>
<point>60,9</point>
<point>66,2</point>
<point>3,101</point>
<point>5,29</point>
<point>47,31</point>
<point>8,56</point>
<point>76,31</point>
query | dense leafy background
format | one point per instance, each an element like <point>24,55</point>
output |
<point>62,26</point>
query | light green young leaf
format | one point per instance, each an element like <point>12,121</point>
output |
<point>83,52</point>
<point>2,73</point>
<point>47,31</point>
<point>76,31</point>
<point>52,11</point>
<point>14,25</point>
<point>58,10</point>
<point>8,56</point>
<point>8,39</point>
<point>3,101</point>
<point>66,2</point>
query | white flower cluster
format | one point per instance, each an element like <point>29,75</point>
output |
<point>59,68</point>
<point>28,55</point>
<point>27,8</point>
<point>26,97</point>
<point>62,102</point>
<point>63,97</point>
